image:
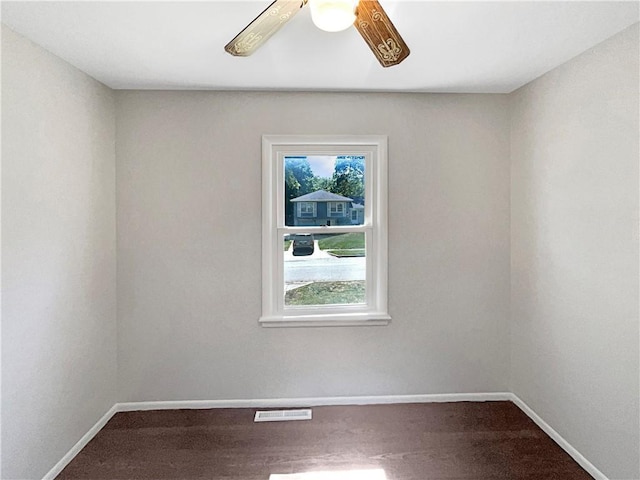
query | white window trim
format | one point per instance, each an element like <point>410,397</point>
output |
<point>375,311</point>
<point>339,213</point>
<point>313,210</point>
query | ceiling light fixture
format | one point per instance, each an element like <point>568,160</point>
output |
<point>333,15</point>
<point>367,17</point>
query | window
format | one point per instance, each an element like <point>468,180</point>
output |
<point>323,264</point>
<point>336,209</point>
<point>307,209</point>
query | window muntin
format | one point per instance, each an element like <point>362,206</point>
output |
<point>359,168</point>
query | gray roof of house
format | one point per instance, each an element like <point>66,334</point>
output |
<point>321,196</point>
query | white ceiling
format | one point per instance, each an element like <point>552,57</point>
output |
<point>492,47</point>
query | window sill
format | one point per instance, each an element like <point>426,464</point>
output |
<point>336,320</point>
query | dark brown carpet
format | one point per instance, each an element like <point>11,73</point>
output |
<point>446,441</point>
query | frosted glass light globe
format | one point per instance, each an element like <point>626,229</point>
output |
<point>333,15</point>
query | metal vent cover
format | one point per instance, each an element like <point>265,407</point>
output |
<point>282,415</point>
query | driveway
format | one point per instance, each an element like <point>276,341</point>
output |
<point>317,253</point>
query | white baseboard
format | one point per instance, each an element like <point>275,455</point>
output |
<point>326,401</point>
<point>566,446</point>
<point>86,438</point>
<point>313,401</point>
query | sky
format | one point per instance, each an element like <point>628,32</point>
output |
<point>322,166</point>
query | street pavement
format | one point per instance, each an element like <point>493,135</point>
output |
<point>322,267</point>
<point>329,269</point>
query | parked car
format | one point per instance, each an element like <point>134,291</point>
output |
<point>302,244</point>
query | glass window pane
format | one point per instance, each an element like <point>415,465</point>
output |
<point>324,269</point>
<point>324,190</point>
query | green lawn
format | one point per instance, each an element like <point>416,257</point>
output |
<point>286,245</point>
<point>353,252</point>
<point>346,241</point>
<point>327,293</point>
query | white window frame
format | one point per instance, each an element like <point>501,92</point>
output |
<point>375,310</point>
<point>313,210</point>
<point>339,212</point>
<point>353,210</point>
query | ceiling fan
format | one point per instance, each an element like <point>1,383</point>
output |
<point>331,15</point>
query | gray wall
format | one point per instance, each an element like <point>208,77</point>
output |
<point>58,256</point>
<point>574,211</point>
<point>189,264</point>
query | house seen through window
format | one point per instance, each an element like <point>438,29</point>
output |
<point>323,268</point>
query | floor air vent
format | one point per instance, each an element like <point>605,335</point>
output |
<point>282,415</point>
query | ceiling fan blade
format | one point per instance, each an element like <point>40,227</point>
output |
<point>380,34</point>
<point>263,27</point>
